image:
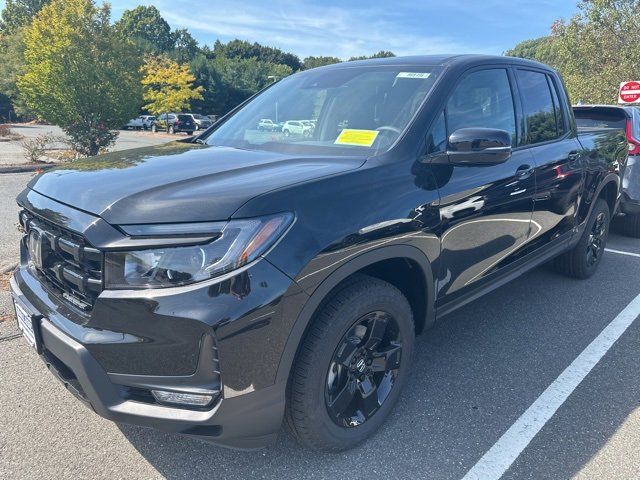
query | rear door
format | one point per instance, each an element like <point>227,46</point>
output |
<point>557,154</point>
<point>485,209</point>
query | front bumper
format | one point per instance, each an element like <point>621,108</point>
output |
<point>249,408</point>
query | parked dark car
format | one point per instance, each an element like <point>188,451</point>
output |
<point>214,287</point>
<point>201,122</point>
<point>627,119</point>
<point>177,123</point>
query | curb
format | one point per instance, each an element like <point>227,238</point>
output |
<point>28,168</point>
<point>7,268</point>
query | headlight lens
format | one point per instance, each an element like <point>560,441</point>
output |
<point>239,242</point>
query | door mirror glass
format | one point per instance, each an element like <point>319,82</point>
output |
<point>479,146</point>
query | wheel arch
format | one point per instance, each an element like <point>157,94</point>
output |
<point>609,190</point>
<point>371,263</point>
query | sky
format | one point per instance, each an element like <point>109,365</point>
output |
<point>347,28</point>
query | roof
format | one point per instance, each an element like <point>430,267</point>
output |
<point>442,60</point>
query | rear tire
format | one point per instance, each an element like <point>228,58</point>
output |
<point>582,261</point>
<point>628,224</point>
<point>341,353</point>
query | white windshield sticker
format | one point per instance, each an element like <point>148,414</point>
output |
<point>413,75</point>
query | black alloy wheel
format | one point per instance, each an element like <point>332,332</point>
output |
<point>597,239</point>
<point>363,369</point>
<point>351,365</point>
<point>584,257</point>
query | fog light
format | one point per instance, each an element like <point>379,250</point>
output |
<point>177,398</point>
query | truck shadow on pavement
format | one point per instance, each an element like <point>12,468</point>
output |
<point>473,376</point>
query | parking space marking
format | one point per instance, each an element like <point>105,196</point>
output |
<point>611,250</point>
<point>508,448</point>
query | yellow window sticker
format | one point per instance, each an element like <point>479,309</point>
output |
<point>360,138</point>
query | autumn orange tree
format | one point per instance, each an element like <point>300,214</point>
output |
<point>168,86</point>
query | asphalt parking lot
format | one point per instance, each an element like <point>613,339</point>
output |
<point>12,153</point>
<point>475,376</point>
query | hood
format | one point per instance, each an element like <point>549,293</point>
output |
<point>178,182</point>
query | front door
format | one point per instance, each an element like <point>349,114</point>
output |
<point>485,210</point>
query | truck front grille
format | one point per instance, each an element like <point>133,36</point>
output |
<point>64,260</point>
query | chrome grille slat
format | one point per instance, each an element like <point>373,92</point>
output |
<point>68,263</point>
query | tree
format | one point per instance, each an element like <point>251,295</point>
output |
<point>539,49</point>
<point>146,26</point>
<point>79,73</point>
<point>313,62</point>
<point>18,13</point>
<point>245,50</point>
<point>11,65</point>
<point>168,86</point>
<point>598,48</point>
<point>380,54</point>
<point>185,47</point>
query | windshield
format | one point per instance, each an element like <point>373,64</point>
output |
<point>340,111</point>
<point>197,116</point>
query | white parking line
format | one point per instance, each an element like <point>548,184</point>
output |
<point>504,452</point>
<point>621,252</point>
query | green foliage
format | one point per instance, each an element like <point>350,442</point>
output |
<point>380,54</point>
<point>89,138</point>
<point>241,49</point>
<point>539,49</point>
<point>146,26</point>
<point>79,73</point>
<point>598,48</point>
<point>168,86</point>
<point>228,81</point>
<point>594,51</point>
<point>11,66</point>
<point>185,47</point>
<point>313,62</point>
<point>18,14</point>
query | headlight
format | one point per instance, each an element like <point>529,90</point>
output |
<point>238,242</point>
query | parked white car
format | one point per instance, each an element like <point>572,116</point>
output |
<point>296,127</point>
<point>267,124</point>
<point>141,122</point>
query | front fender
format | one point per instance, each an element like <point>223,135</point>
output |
<point>338,275</point>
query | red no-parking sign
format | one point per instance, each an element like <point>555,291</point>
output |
<point>629,92</point>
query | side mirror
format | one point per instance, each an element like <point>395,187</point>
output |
<point>479,146</point>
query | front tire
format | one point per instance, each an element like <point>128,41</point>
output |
<point>351,366</point>
<point>582,261</point>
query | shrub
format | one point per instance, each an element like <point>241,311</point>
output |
<point>5,130</point>
<point>35,148</point>
<point>89,139</point>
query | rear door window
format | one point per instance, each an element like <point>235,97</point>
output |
<point>538,106</point>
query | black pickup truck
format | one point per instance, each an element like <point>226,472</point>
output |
<point>215,286</point>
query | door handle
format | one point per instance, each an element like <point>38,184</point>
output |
<point>524,171</point>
